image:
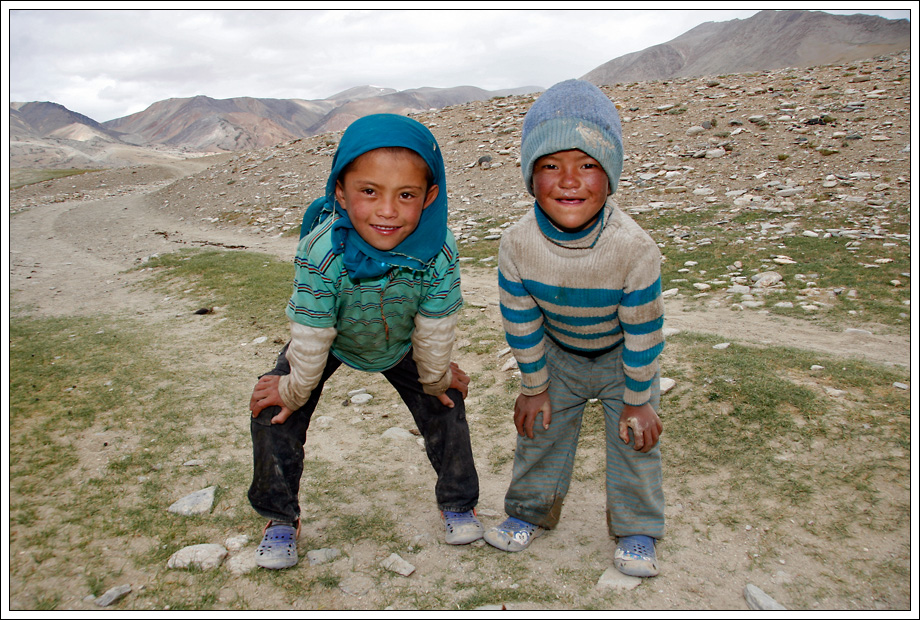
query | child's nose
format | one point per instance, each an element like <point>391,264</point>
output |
<point>387,207</point>
<point>568,178</point>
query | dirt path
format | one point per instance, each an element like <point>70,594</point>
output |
<point>72,257</point>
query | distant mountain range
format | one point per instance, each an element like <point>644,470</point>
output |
<point>768,40</point>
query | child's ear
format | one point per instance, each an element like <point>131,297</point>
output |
<point>340,194</point>
<point>431,195</point>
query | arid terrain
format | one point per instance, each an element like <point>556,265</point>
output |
<point>767,143</point>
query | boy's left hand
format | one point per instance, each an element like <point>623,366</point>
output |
<point>645,424</point>
<point>460,381</point>
<point>265,394</point>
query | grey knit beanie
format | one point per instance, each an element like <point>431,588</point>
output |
<point>573,114</point>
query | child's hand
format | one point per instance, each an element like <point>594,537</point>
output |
<point>526,409</point>
<point>645,424</point>
<point>459,380</point>
<point>265,394</point>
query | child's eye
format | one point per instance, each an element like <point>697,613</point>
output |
<point>407,195</point>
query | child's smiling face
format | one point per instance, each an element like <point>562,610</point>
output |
<point>571,187</point>
<point>384,192</point>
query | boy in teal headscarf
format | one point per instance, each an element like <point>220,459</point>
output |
<point>376,279</point>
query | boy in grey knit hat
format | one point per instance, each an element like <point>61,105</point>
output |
<point>580,291</point>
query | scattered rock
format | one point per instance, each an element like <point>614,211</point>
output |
<point>759,600</point>
<point>766,279</point>
<point>398,565</point>
<point>394,432</point>
<point>612,579</point>
<point>666,384</point>
<point>113,595</point>
<point>206,556</point>
<point>241,563</point>
<point>197,503</point>
<point>361,399</point>
<point>236,543</point>
<point>721,345</point>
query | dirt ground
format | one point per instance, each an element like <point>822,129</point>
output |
<point>72,256</point>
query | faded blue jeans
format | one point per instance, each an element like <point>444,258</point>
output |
<point>278,449</point>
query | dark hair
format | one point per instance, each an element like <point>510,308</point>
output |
<point>395,150</point>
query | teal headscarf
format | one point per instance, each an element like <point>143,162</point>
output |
<point>362,260</point>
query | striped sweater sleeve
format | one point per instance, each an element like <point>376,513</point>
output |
<point>641,315</point>
<point>523,323</point>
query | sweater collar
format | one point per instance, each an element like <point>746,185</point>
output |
<point>583,239</point>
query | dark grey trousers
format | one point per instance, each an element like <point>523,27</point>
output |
<point>278,449</point>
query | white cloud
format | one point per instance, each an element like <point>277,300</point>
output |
<point>108,64</point>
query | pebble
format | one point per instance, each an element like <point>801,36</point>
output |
<point>612,579</point>
<point>900,386</point>
<point>666,384</point>
<point>197,503</point>
<point>766,279</point>
<point>207,556</point>
<point>394,432</point>
<point>235,543</point>
<point>757,599</point>
<point>241,563</point>
<point>113,595</point>
<point>396,564</point>
<point>721,345</point>
<point>361,399</point>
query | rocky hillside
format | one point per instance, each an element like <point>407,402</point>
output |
<point>767,40</point>
<point>768,140</point>
<point>49,135</point>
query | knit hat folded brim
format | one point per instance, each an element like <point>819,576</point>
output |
<point>573,115</point>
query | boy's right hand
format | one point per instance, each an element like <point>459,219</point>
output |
<point>265,394</point>
<point>526,409</point>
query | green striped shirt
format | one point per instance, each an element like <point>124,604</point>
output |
<point>374,317</point>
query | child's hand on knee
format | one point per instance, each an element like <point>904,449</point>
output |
<point>460,381</point>
<point>265,394</point>
<point>645,424</point>
<point>526,409</point>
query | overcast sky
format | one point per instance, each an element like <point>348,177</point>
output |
<point>107,64</point>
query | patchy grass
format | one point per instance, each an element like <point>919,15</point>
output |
<point>20,177</point>
<point>249,288</point>
<point>834,279</point>
<point>102,409</point>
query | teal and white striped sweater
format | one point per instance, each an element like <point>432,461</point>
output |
<point>589,292</point>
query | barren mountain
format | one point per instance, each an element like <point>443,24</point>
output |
<point>43,119</point>
<point>768,40</point>
<point>48,135</point>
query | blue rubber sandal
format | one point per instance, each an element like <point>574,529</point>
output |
<point>461,528</point>
<point>635,555</point>
<point>278,548</point>
<point>512,535</point>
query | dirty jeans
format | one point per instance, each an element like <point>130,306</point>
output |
<point>543,465</point>
<point>278,449</point>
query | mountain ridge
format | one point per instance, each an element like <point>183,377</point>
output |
<point>46,134</point>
